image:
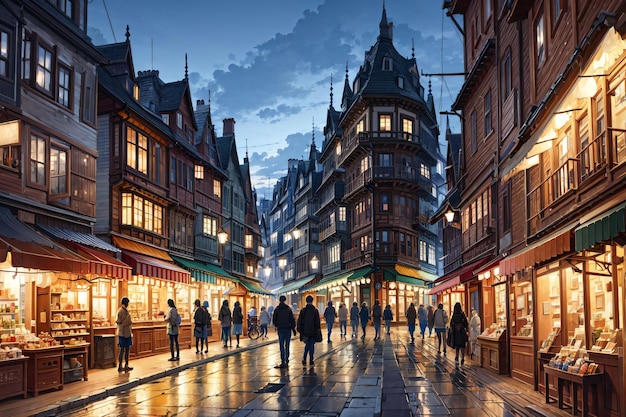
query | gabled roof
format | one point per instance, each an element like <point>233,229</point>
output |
<point>172,95</point>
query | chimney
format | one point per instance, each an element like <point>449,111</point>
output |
<point>199,102</point>
<point>229,127</point>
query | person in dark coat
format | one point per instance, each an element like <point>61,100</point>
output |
<point>200,320</point>
<point>226,320</point>
<point>330,314</point>
<point>354,319</point>
<point>364,315</point>
<point>431,320</point>
<point>411,315</point>
<point>285,323</point>
<point>388,316</point>
<point>459,325</point>
<point>377,314</point>
<point>308,326</point>
<point>237,321</point>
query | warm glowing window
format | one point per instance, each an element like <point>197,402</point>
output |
<point>217,188</point>
<point>407,128</point>
<point>199,172</point>
<point>209,226</point>
<point>58,171</point>
<point>342,214</point>
<point>384,122</point>
<point>136,150</point>
<point>248,243</point>
<point>139,212</point>
<point>360,127</point>
<point>425,170</point>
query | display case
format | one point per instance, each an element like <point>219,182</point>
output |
<point>493,351</point>
<point>69,313</point>
<point>105,303</point>
<point>9,317</point>
<point>75,363</point>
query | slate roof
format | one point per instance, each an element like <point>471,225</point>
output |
<point>171,95</point>
<point>224,146</point>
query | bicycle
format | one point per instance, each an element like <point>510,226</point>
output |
<point>253,328</point>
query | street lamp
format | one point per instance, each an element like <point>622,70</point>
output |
<point>449,215</point>
<point>267,270</point>
<point>222,236</point>
<point>315,263</point>
<point>296,234</point>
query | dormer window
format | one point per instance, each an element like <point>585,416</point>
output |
<point>387,64</point>
<point>400,82</point>
<point>179,120</point>
<point>166,118</point>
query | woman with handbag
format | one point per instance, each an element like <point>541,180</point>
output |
<point>310,329</point>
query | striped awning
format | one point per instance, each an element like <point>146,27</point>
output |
<point>104,265</point>
<point>151,262</point>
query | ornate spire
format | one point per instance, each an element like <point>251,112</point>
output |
<point>127,34</point>
<point>313,133</point>
<point>209,100</point>
<point>412,47</point>
<point>384,25</point>
<point>331,90</point>
<point>186,68</point>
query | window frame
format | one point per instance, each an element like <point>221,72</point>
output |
<point>382,117</point>
<point>51,72</point>
<point>8,58</point>
<point>67,151</point>
<point>69,89</point>
<point>89,99</point>
<point>540,44</point>
<point>487,112</point>
<point>39,164</point>
<point>506,79</point>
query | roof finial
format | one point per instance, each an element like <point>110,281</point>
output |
<point>313,133</point>
<point>186,68</point>
<point>347,70</point>
<point>331,89</point>
<point>246,148</point>
<point>430,90</point>
<point>127,34</point>
<point>413,47</point>
<point>209,100</point>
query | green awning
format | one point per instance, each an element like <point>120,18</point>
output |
<point>202,271</point>
<point>393,275</point>
<point>330,280</point>
<point>294,285</point>
<point>601,228</point>
<point>254,287</point>
<point>360,273</point>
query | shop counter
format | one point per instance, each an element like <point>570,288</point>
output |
<point>13,377</point>
<point>45,368</point>
<point>575,380</point>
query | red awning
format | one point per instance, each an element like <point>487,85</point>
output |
<point>103,264</point>
<point>153,267</point>
<point>464,273</point>
<point>37,256</point>
<point>446,285</point>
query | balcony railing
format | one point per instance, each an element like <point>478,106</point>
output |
<point>386,137</point>
<point>562,181</point>
<point>331,268</point>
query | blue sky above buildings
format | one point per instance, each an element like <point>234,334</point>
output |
<point>268,63</point>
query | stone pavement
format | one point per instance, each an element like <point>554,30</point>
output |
<point>351,377</point>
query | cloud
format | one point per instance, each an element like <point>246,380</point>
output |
<point>280,110</point>
<point>97,38</point>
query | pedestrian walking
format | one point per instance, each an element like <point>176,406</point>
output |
<point>422,318</point>
<point>208,329</point>
<point>377,315</point>
<point>124,335</point>
<point>173,325</point>
<point>431,322</point>
<point>285,323</point>
<point>308,326</point>
<point>264,320</point>
<point>237,321</point>
<point>364,316</point>
<point>330,315</point>
<point>226,319</point>
<point>459,326</point>
<point>474,331</point>
<point>440,321</point>
<point>343,319</point>
<point>388,317</point>
<point>199,326</point>
<point>270,311</point>
<point>354,319</point>
<point>411,316</point>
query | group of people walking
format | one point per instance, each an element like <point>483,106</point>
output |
<point>455,331</point>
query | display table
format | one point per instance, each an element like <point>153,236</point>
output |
<point>45,368</point>
<point>585,381</point>
<point>13,377</point>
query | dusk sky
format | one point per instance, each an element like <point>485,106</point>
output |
<point>268,63</point>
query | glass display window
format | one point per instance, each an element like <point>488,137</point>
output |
<point>521,307</point>
<point>105,302</point>
<point>182,301</point>
<point>138,307</point>
<point>574,302</point>
<point>549,305</point>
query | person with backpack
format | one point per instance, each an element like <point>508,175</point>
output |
<point>308,327</point>
<point>330,314</point>
<point>440,321</point>
<point>173,325</point>
<point>237,321</point>
<point>377,314</point>
<point>459,326</point>
<point>199,326</point>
